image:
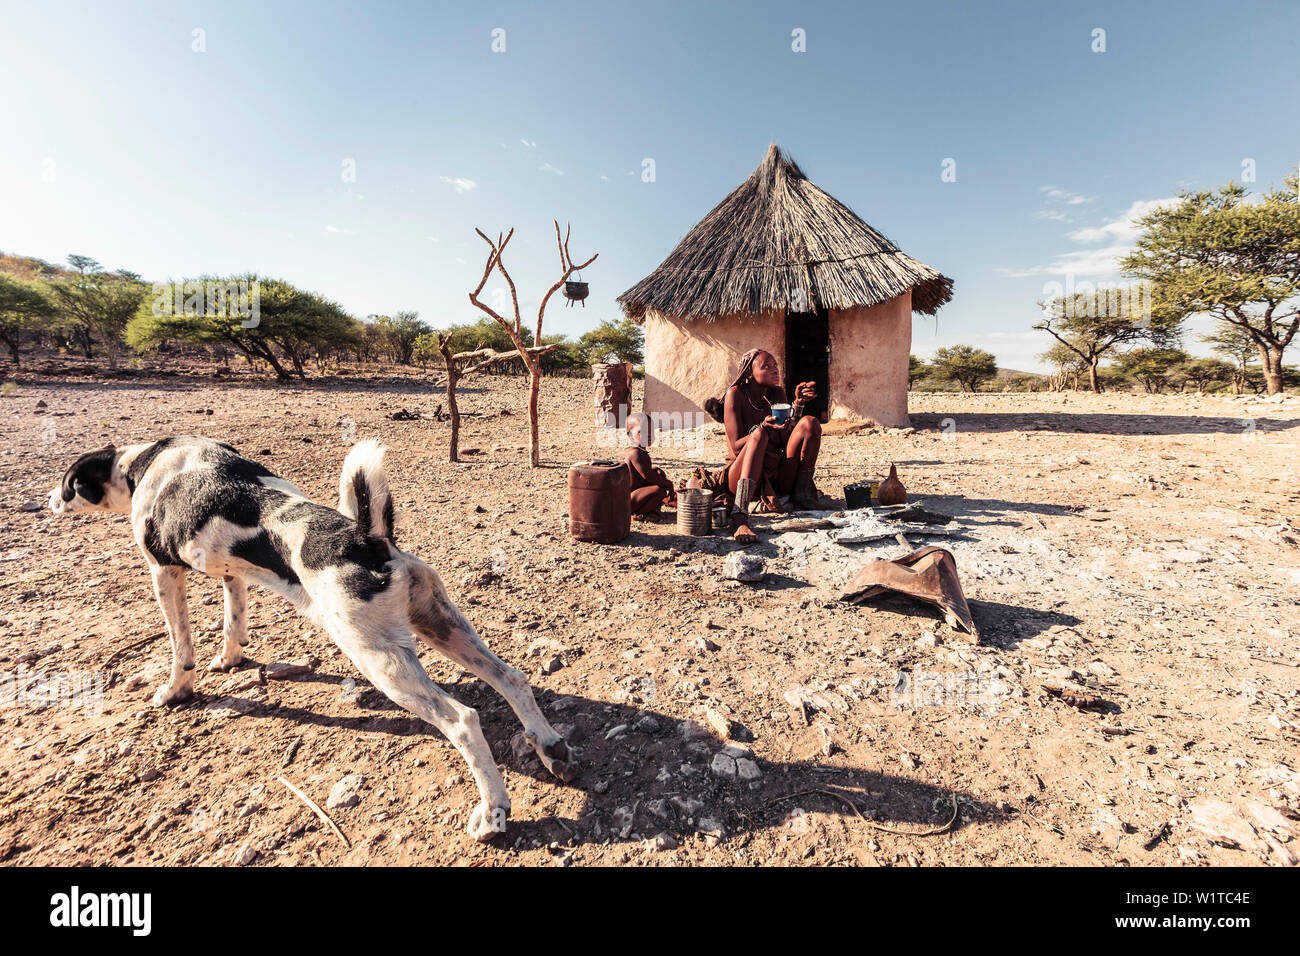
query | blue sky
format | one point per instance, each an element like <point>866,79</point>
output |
<point>125,143</point>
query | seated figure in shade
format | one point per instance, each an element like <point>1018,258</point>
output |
<point>767,460</point>
<point>651,488</point>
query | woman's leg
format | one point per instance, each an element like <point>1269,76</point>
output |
<point>800,451</point>
<point>744,478</point>
<point>801,460</point>
<point>749,463</point>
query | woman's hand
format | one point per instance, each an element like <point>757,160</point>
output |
<point>771,423</point>
<point>805,391</point>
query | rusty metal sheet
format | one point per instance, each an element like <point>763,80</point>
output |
<point>929,575</point>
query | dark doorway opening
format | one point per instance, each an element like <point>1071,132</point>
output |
<point>807,357</point>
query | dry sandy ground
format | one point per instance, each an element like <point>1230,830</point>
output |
<point>1140,547</point>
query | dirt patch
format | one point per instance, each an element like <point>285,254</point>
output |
<point>1140,549</point>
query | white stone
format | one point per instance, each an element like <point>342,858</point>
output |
<point>744,567</point>
<point>346,793</point>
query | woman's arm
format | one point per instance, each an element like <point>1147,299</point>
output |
<point>735,424</point>
<point>803,393</point>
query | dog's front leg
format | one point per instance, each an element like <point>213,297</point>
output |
<point>236,625</point>
<point>169,586</point>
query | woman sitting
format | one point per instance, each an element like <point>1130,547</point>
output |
<point>767,460</point>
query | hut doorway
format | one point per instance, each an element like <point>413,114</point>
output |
<point>808,357</point>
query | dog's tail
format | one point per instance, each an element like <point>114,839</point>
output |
<point>363,490</point>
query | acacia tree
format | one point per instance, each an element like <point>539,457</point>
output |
<point>1234,342</point>
<point>290,323</point>
<point>622,341</point>
<point>965,365</point>
<point>516,329</point>
<point>1068,364</point>
<point>1220,254</point>
<point>1091,324</point>
<point>1201,373</point>
<point>24,307</point>
<point>99,302</point>
<point>424,348</point>
<point>399,334</point>
<point>1154,368</point>
<point>916,370</point>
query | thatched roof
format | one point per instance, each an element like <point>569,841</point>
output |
<point>778,240</point>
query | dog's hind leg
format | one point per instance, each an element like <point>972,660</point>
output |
<point>235,630</point>
<point>169,586</point>
<point>440,624</point>
<point>391,665</point>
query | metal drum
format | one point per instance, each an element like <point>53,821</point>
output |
<point>600,501</point>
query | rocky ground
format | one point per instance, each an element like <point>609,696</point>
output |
<point>1139,552</point>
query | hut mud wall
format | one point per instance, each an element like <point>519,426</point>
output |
<point>868,373</point>
<point>689,362</point>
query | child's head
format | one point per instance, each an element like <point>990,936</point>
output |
<point>640,432</point>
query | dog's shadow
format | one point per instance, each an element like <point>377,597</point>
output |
<point>661,774</point>
<point>644,773</point>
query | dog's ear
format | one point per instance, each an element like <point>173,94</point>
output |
<point>90,475</point>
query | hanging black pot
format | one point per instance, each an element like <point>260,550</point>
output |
<point>576,291</point>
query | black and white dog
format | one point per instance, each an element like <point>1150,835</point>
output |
<point>196,505</point>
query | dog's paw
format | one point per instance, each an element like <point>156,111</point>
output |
<point>486,821</point>
<point>168,696</point>
<point>558,759</point>
<point>223,663</point>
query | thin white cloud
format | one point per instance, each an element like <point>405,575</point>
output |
<point>548,168</point>
<point>433,238</point>
<point>1124,229</point>
<point>337,229</point>
<point>1081,262</point>
<point>1013,336</point>
<point>462,184</point>
<point>1119,234</point>
<point>529,143</point>
<point>1055,198</point>
<point>1065,196</point>
<point>604,178</point>
<point>463,262</point>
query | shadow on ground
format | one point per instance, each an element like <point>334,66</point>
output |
<point>1098,423</point>
<point>660,774</point>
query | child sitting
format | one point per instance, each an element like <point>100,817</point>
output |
<point>651,489</point>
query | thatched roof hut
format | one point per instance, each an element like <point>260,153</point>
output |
<point>780,264</point>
